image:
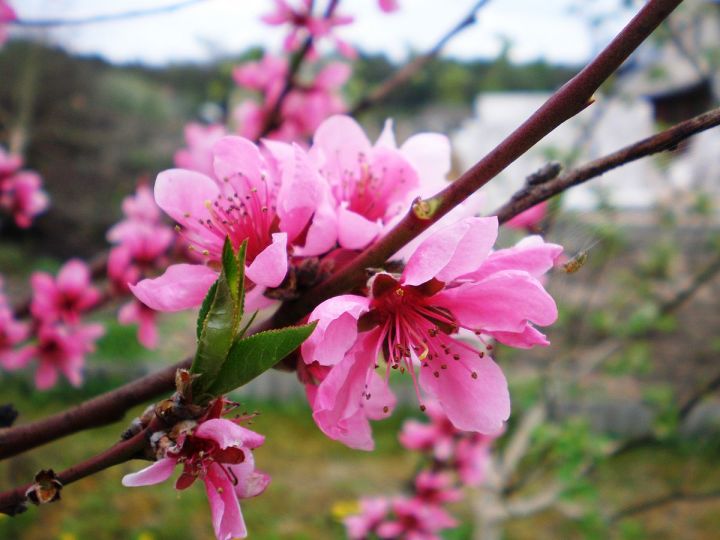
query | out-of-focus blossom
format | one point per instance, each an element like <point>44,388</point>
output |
<point>373,512</point>
<point>218,452</point>
<point>135,312</point>
<point>530,219</point>
<point>436,488</point>
<point>198,154</point>
<point>304,24</point>
<point>21,193</point>
<point>415,520</point>
<point>436,437</point>
<point>452,281</point>
<point>388,6</point>
<point>472,457</point>
<point>7,14</point>
<point>65,297</point>
<point>303,108</point>
<point>269,197</point>
<point>60,348</point>
<point>374,185</point>
<point>12,332</point>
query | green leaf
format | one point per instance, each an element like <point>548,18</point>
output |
<point>209,297</point>
<point>219,320</point>
<point>254,355</point>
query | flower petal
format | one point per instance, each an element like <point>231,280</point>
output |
<point>354,230</point>
<point>429,153</point>
<point>451,252</point>
<point>270,265</point>
<point>227,518</point>
<point>227,433</point>
<point>472,403</point>
<point>183,195</point>
<point>158,472</point>
<point>182,286</point>
<point>531,254</point>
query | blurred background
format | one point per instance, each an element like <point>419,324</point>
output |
<point>630,423</point>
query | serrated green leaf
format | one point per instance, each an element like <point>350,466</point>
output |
<point>254,355</point>
<point>205,307</point>
<point>219,324</point>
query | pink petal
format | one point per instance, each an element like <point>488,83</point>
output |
<point>74,276</point>
<point>354,230</point>
<point>270,265</point>
<point>237,156</point>
<point>382,401</point>
<point>227,519</point>
<point>158,472</point>
<point>301,192</point>
<point>182,286</point>
<point>46,375</point>
<point>387,137</point>
<point>322,235</point>
<point>337,143</point>
<point>451,252</point>
<point>505,301</point>
<point>333,75</point>
<point>528,338</point>
<point>227,433</point>
<point>479,403</point>
<point>184,195</point>
<point>531,254</point>
<point>336,330</point>
<point>429,153</point>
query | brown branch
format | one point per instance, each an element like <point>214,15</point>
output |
<point>675,496</point>
<point>44,23</point>
<point>570,99</point>
<point>99,411</point>
<point>665,140</point>
<point>404,74</point>
<point>273,119</point>
<point>13,502</point>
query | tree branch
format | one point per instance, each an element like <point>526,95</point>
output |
<point>665,140</point>
<point>45,23</point>
<point>569,100</point>
<point>13,502</point>
<point>675,496</point>
<point>406,72</point>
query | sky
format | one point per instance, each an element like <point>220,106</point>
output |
<point>555,30</point>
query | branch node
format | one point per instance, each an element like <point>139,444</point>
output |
<point>424,209</point>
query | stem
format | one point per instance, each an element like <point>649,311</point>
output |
<point>99,411</point>
<point>13,502</point>
<point>404,74</point>
<point>44,23</point>
<point>676,496</point>
<point>665,140</point>
<point>569,100</point>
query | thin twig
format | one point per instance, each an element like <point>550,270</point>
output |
<point>665,140</point>
<point>675,496</point>
<point>109,17</point>
<point>404,74</point>
<point>13,502</point>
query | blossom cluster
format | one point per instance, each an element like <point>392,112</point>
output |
<point>141,242</point>
<point>454,459</point>
<point>295,207</point>
<point>21,193</point>
<point>58,340</point>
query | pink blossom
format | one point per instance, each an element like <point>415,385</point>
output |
<point>415,520</point>
<point>59,348</point>
<point>436,488</point>
<point>438,437</point>
<point>304,24</point>
<point>472,457</point>
<point>12,332</point>
<point>65,297</point>
<point>7,14</point>
<point>530,219</point>
<point>137,312</point>
<point>374,185</point>
<point>266,76</point>
<point>388,6</point>
<point>198,154</point>
<point>373,512</point>
<point>268,197</point>
<point>217,451</point>
<point>412,318</point>
<point>21,195</point>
